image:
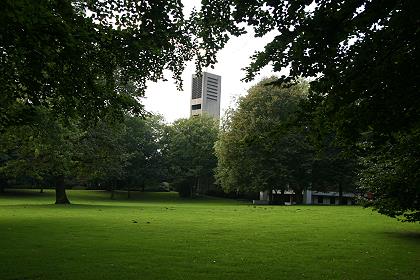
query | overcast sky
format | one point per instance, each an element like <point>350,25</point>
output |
<point>163,97</point>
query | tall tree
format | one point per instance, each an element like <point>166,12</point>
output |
<point>362,56</point>
<point>334,166</point>
<point>85,60</point>
<point>43,151</point>
<point>102,155</point>
<point>143,142</point>
<point>190,153</point>
<point>77,56</point>
<point>261,148</point>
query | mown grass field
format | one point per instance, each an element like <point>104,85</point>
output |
<point>159,236</point>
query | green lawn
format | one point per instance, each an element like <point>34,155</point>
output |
<point>158,236</point>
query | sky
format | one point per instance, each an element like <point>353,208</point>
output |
<point>163,97</point>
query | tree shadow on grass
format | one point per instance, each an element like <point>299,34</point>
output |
<point>406,235</point>
<point>25,193</point>
<point>75,206</point>
<point>98,197</point>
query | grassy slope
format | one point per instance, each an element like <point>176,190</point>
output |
<point>158,236</point>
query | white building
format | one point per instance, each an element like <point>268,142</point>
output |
<point>309,197</point>
<point>205,95</point>
<point>327,198</point>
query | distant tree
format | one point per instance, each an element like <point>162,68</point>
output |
<point>108,155</point>
<point>334,166</point>
<point>260,148</point>
<point>42,151</point>
<point>190,153</point>
<point>102,155</point>
<point>142,140</point>
<point>334,170</point>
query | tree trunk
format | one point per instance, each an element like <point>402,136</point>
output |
<point>60,191</point>
<point>112,187</point>
<point>41,190</point>
<point>3,185</point>
<point>282,200</point>
<point>340,194</point>
<point>298,196</point>
<point>112,193</point>
<point>197,187</point>
<point>128,194</point>
<point>270,197</point>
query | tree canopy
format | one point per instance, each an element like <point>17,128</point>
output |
<point>43,152</point>
<point>189,152</point>
<point>362,54</point>
<point>78,57</point>
<point>85,63</point>
<point>260,148</point>
<point>362,57</point>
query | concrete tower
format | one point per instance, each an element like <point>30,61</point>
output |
<point>205,95</point>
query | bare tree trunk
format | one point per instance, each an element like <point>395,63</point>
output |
<point>112,192</point>
<point>298,195</point>
<point>3,185</point>
<point>270,197</point>
<point>128,193</point>
<point>113,185</point>
<point>282,200</point>
<point>340,193</point>
<point>60,191</point>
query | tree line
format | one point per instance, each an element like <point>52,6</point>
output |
<point>79,63</point>
<point>136,153</point>
<point>263,144</point>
